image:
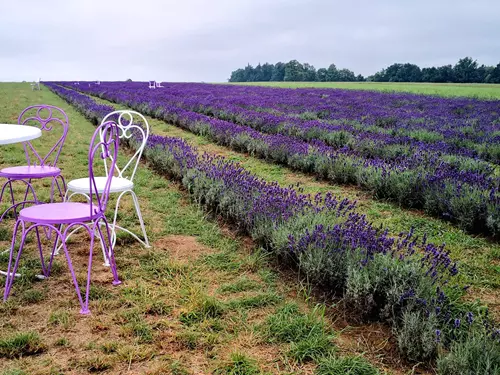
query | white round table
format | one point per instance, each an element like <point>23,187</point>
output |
<point>11,133</point>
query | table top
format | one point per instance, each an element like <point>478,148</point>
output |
<point>13,133</point>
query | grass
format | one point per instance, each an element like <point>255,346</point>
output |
<point>472,90</point>
<point>21,344</point>
<point>346,366</point>
<point>239,364</point>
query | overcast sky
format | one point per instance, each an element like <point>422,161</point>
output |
<point>196,40</point>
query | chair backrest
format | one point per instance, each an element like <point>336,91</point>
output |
<point>130,123</point>
<point>104,145</point>
<point>46,117</point>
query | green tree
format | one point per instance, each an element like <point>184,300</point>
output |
<point>294,71</point>
<point>322,75</point>
<point>238,76</point>
<point>278,72</point>
<point>332,74</point>
<point>494,76</point>
<point>465,70</point>
<point>309,73</point>
<point>267,72</point>
<point>345,75</point>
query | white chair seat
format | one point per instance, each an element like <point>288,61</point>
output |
<point>118,185</point>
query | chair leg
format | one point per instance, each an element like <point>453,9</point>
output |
<point>11,271</point>
<point>109,250</point>
<point>139,215</point>
<point>114,226</point>
<point>84,306</point>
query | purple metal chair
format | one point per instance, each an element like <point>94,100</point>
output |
<point>71,214</point>
<point>38,167</point>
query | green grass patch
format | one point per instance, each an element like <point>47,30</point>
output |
<point>346,366</point>
<point>21,344</point>
<point>239,364</point>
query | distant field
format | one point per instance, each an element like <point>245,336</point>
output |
<point>474,90</point>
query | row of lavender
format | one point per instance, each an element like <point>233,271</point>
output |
<point>399,281</point>
<point>375,124</point>
<point>461,189</point>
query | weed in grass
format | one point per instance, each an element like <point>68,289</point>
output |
<point>223,261</point>
<point>259,300</point>
<point>267,276</point>
<point>157,308</point>
<point>243,284</point>
<point>98,292</point>
<point>109,347</point>
<point>62,319</point>
<point>307,333</point>
<point>96,364</point>
<point>288,324</point>
<point>13,371</point>
<point>32,296</point>
<point>177,368</point>
<point>21,344</point>
<point>159,267</point>
<point>4,234</point>
<point>239,364</point>
<point>345,366</point>
<point>312,348</point>
<point>136,353</point>
<point>189,339</point>
<point>142,331</point>
<point>62,342</point>
<point>206,307</point>
<point>255,261</point>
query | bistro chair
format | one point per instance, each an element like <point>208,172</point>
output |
<point>91,216</point>
<point>48,118</point>
<point>130,123</point>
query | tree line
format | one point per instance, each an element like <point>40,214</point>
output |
<point>466,70</point>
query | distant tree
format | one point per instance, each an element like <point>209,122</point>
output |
<point>294,71</point>
<point>445,73</point>
<point>309,74</point>
<point>332,73</point>
<point>360,78</point>
<point>345,75</point>
<point>129,80</point>
<point>465,70</point>
<point>494,76</point>
<point>257,74</point>
<point>238,76</point>
<point>322,75</point>
<point>267,72</point>
<point>278,72</point>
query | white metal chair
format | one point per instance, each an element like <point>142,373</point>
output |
<point>129,123</point>
<point>152,84</point>
<point>158,84</point>
<point>35,85</point>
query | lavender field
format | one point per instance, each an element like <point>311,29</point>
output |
<point>436,154</point>
<point>445,159</point>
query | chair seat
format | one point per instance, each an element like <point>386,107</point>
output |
<point>30,171</point>
<point>58,213</point>
<point>118,185</point>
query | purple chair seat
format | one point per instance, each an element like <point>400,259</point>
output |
<point>30,171</point>
<point>57,213</point>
